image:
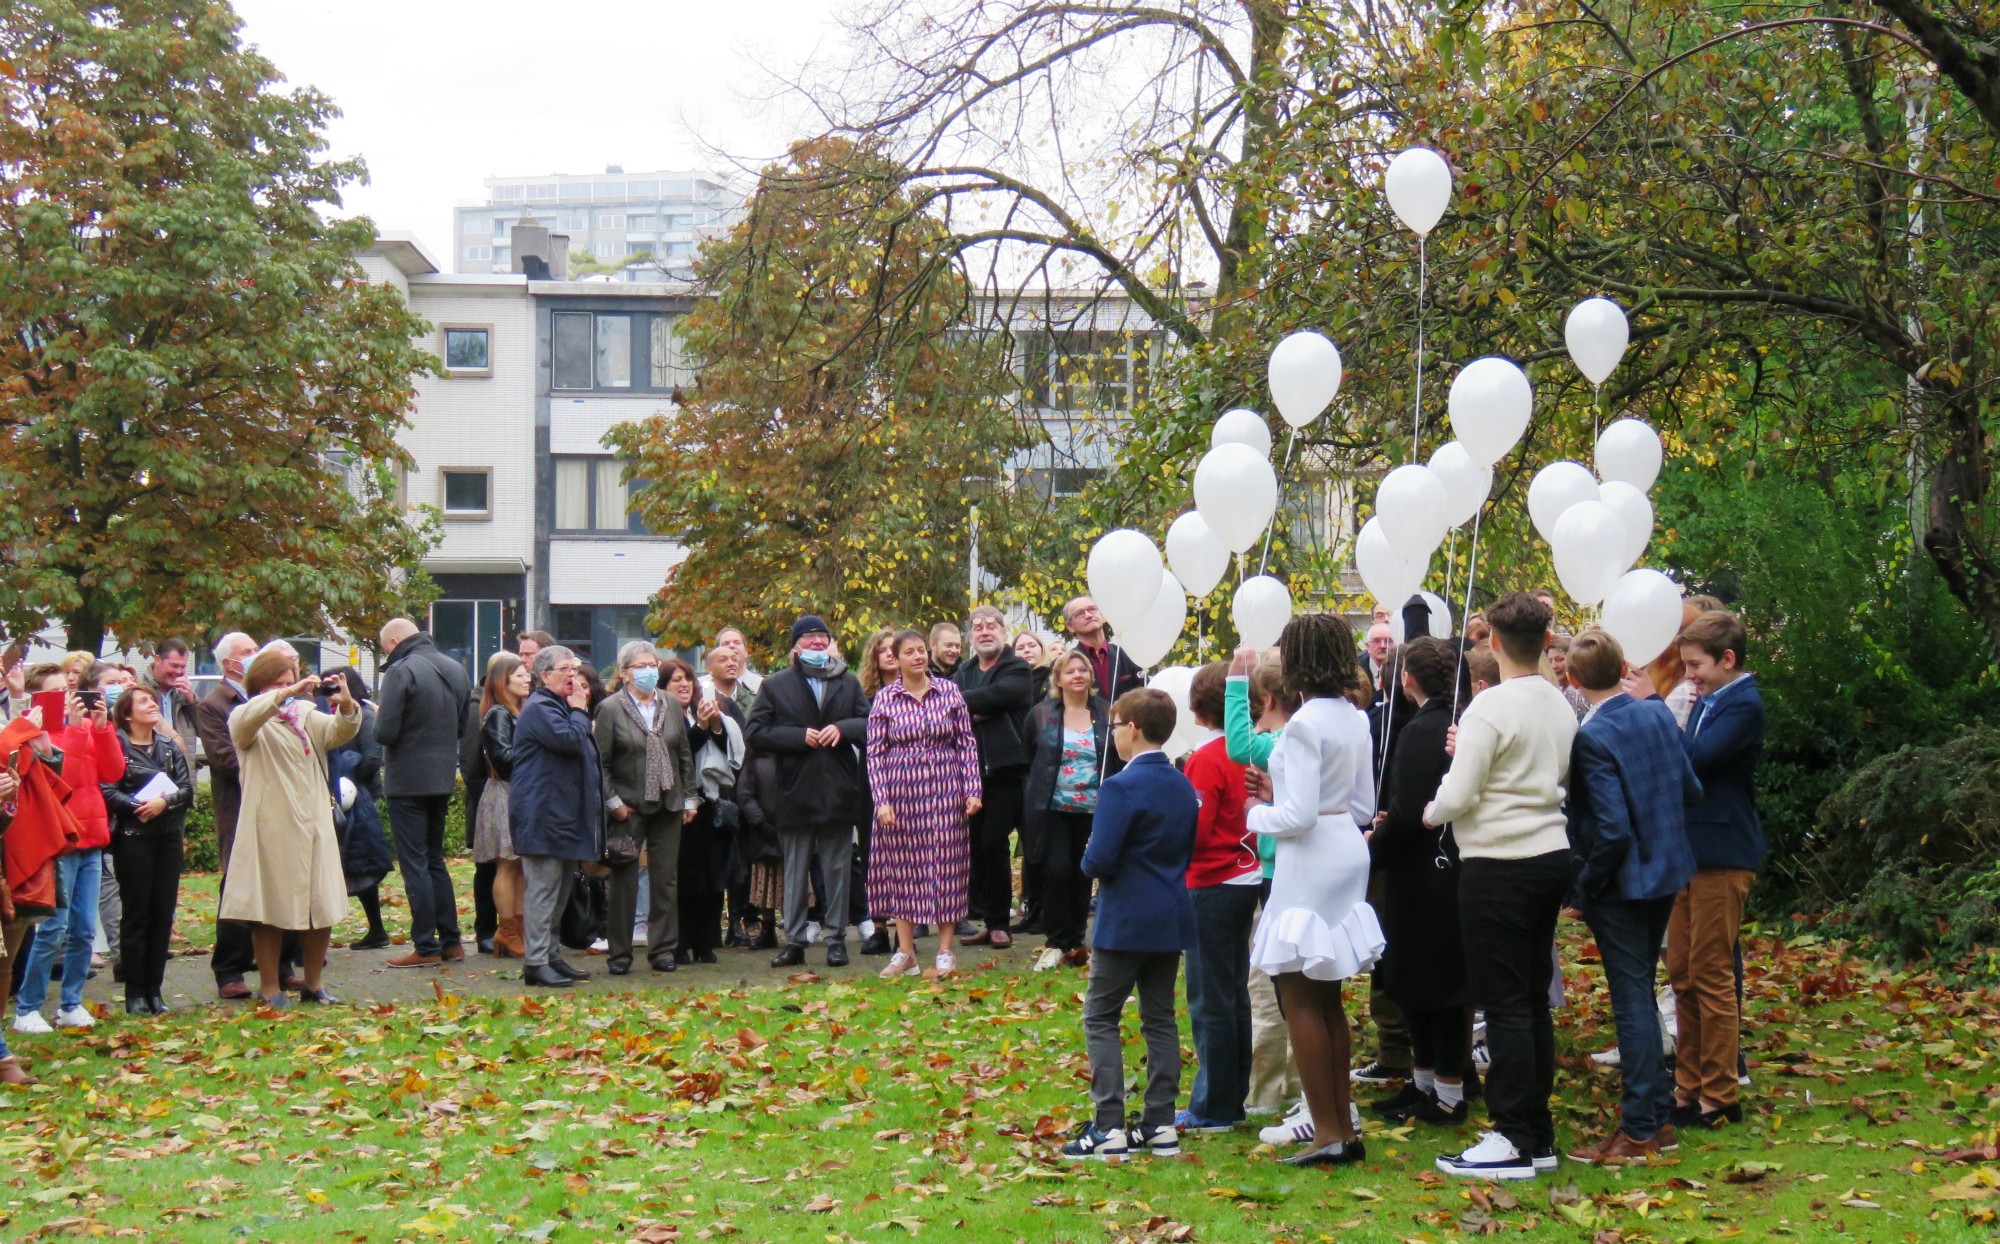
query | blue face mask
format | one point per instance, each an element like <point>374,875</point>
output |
<point>646,678</point>
<point>111,694</point>
<point>817,658</point>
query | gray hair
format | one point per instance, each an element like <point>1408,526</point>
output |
<point>548,658</point>
<point>231,640</point>
<point>634,650</point>
<point>986,611</point>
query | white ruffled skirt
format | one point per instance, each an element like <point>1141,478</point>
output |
<point>1318,920</point>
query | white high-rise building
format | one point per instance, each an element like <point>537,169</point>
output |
<point>613,217</point>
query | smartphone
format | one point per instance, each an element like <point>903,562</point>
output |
<point>91,699</point>
<point>54,706</point>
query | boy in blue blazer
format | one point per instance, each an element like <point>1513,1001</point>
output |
<point>1140,842</point>
<point>1724,737</point>
<point>1629,782</point>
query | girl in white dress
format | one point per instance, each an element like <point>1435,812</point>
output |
<point>1318,929</point>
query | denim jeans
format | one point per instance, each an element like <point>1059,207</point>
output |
<point>1629,934</point>
<point>68,933</point>
<point>1218,991</point>
<point>1507,917</point>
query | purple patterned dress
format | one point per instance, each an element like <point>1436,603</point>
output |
<point>924,762</point>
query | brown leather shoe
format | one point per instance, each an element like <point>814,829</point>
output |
<point>1667,1138</point>
<point>981,938</point>
<point>415,960</point>
<point>1077,958</point>
<point>11,1072</point>
<point>1000,939</point>
<point>455,954</point>
<point>234,991</point>
<point>1618,1149</point>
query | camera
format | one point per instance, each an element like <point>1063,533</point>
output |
<point>330,687</point>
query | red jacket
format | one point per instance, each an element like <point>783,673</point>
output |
<point>42,827</point>
<point>90,756</point>
<point>1223,846</point>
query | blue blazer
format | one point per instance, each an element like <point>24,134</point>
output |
<point>1629,784</point>
<point>1140,842</point>
<point>1723,828</point>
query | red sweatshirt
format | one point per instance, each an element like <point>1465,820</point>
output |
<point>90,756</point>
<point>1223,849</point>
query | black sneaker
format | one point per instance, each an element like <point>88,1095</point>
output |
<point>1155,1142</point>
<point>1379,1072</point>
<point>876,943</point>
<point>1093,1141</point>
<point>1400,1104</point>
<point>1431,1110</point>
<point>1546,1159</point>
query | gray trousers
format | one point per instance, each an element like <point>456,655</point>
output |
<point>549,880</point>
<point>659,832</point>
<point>834,847</point>
<point>1113,974</point>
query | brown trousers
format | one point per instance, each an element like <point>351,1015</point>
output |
<point>1701,963</point>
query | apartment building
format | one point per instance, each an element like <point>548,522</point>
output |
<point>643,227</point>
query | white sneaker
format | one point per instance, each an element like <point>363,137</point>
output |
<point>30,1021</point>
<point>946,965</point>
<point>600,947</point>
<point>74,1017</point>
<point>1048,960</point>
<point>899,964</point>
<point>1295,1128</point>
<point>1494,1157</point>
<point>1607,1058</point>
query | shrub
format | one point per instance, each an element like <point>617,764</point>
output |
<point>203,856</point>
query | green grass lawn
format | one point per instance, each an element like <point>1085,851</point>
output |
<point>809,1109</point>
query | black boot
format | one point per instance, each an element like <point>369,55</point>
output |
<point>876,943</point>
<point>575,974</point>
<point>545,976</point>
<point>767,936</point>
<point>790,957</point>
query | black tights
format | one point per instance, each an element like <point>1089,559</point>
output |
<point>371,906</point>
<point>1439,1040</point>
<point>1322,1047</point>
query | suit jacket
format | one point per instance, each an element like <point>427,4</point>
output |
<point>815,785</point>
<point>621,750</point>
<point>1629,784</point>
<point>1140,843</point>
<point>225,780</point>
<point>1724,737</point>
<point>420,718</point>
<point>998,700</point>
<point>1125,672</point>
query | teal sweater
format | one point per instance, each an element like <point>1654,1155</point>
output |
<point>1248,747</point>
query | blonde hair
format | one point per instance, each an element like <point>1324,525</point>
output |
<point>1060,665</point>
<point>1049,650</point>
<point>870,672</point>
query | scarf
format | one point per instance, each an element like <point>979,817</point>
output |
<point>659,767</point>
<point>288,712</point>
<point>718,765</point>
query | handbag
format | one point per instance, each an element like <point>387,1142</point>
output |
<point>620,849</point>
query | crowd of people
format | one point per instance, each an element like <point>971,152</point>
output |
<point>1419,811</point>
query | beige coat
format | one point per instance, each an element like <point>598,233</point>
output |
<point>284,868</point>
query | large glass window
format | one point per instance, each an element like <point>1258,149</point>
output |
<point>1086,370</point>
<point>670,368</point>
<point>592,496</point>
<point>596,632</point>
<point>615,350</point>
<point>467,631</point>
<point>570,350</point>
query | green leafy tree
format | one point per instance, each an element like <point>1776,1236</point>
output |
<point>199,389</point>
<point>841,422</point>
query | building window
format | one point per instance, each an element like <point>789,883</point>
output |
<point>545,190</point>
<point>466,492</point>
<point>469,632</point>
<point>611,222</point>
<point>596,632</point>
<point>1087,370</point>
<point>507,192</point>
<point>575,224</point>
<point>592,496</point>
<point>608,250</point>
<point>570,350</point>
<point>616,351</point>
<point>1052,482</point>
<point>479,252</point>
<point>468,349</point>
<point>670,367</point>
<point>642,222</point>
<point>500,226</point>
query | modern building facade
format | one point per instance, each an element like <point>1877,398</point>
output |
<point>613,217</point>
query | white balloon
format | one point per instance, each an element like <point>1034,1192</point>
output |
<point>1262,607</point>
<point>1467,483</point>
<point>1149,639</point>
<point>1390,578</point>
<point>1589,545</point>
<point>1414,508</point>
<point>1629,450</point>
<point>1418,185</point>
<point>1198,558</point>
<point>1440,618</point>
<point>1555,488</point>
<point>1236,491</point>
<point>1124,575</point>
<point>1597,334</point>
<point>1304,372</point>
<point>1242,427</point>
<point>1177,681</point>
<point>1635,512</point>
<point>1642,611</point>
<point>1490,402</point>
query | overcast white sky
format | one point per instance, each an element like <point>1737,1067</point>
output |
<point>438,96</point>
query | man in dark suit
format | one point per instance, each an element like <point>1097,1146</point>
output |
<point>1141,840</point>
<point>1629,782</point>
<point>1724,738</point>
<point>1116,672</point>
<point>420,722</point>
<point>233,955</point>
<point>811,717</point>
<point>999,689</point>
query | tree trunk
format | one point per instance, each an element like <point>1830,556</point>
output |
<point>85,624</point>
<point>1958,484</point>
<point>1249,213</point>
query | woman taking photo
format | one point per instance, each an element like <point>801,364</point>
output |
<point>642,743</point>
<point>1069,756</point>
<point>1317,929</point>
<point>284,868</point>
<point>506,688</point>
<point>923,771</point>
<point>364,849</point>
<point>146,842</point>
<point>717,739</point>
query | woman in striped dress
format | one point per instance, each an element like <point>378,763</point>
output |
<point>923,771</point>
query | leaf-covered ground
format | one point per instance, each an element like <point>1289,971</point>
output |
<point>734,1100</point>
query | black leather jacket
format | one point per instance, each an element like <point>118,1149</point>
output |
<point>141,763</point>
<point>497,731</point>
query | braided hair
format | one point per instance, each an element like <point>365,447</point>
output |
<point>1317,653</point>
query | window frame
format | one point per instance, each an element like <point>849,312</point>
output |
<point>633,526</point>
<point>444,351</point>
<point>678,374</point>
<point>480,515</point>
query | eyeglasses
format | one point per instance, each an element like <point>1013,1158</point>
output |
<point>1117,724</point>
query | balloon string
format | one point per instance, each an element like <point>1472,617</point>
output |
<point>1423,288</point>
<point>1596,413</point>
<point>1465,611</point>
<point>1291,443</point>
<point>1450,556</point>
